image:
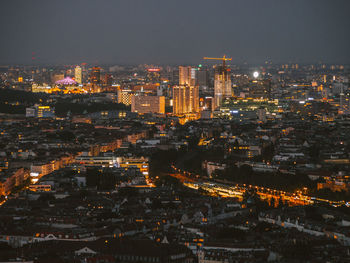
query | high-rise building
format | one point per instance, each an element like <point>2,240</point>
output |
<point>187,76</point>
<point>95,75</point>
<point>185,99</point>
<point>186,94</point>
<point>148,104</point>
<point>78,75</point>
<point>202,77</point>
<point>174,76</point>
<point>222,85</point>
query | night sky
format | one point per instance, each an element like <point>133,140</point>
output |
<point>174,31</point>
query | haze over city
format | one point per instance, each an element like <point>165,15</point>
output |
<point>173,32</point>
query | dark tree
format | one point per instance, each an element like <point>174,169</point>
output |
<point>92,177</point>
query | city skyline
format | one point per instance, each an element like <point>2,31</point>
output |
<point>137,32</point>
<point>188,131</point>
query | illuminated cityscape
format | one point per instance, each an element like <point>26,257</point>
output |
<point>175,131</point>
<point>78,75</point>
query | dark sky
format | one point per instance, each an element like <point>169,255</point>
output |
<point>174,31</point>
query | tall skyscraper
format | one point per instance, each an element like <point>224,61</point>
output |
<point>187,76</point>
<point>186,94</point>
<point>78,75</point>
<point>185,99</point>
<point>202,76</point>
<point>222,85</point>
<point>95,75</point>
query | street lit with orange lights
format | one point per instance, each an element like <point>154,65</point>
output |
<point>230,190</point>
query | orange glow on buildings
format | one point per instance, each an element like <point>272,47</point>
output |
<point>148,104</point>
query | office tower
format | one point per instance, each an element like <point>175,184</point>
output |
<point>78,75</point>
<point>95,75</point>
<point>148,104</point>
<point>202,77</point>
<point>185,99</point>
<point>174,76</point>
<point>187,76</point>
<point>222,85</point>
<point>186,94</point>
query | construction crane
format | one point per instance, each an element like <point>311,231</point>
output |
<point>224,59</point>
<point>224,71</point>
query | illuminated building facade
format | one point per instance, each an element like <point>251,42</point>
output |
<point>39,111</point>
<point>105,161</point>
<point>222,85</point>
<point>65,88</point>
<point>40,188</point>
<point>12,178</point>
<point>41,88</point>
<point>146,88</point>
<point>187,76</point>
<point>45,112</point>
<point>78,76</point>
<point>248,109</point>
<point>125,96</point>
<point>95,75</point>
<point>186,94</point>
<point>185,99</point>
<point>148,104</point>
<point>134,162</point>
<point>99,161</point>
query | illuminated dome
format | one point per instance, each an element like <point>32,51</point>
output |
<point>66,81</point>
